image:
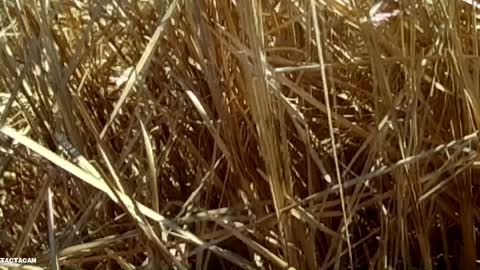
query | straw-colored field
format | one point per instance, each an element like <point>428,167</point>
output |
<point>240,134</point>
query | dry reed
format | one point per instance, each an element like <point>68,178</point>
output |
<point>280,134</point>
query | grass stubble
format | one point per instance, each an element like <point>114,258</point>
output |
<point>239,134</point>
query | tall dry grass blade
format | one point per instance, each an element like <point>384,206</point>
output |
<point>255,246</point>
<point>117,183</point>
<point>144,62</point>
<point>35,210</point>
<point>264,112</point>
<point>407,160</point>
<point>330,127</point>
<point>51,231</point>
<point>151,168</point>
<point>95,245</point>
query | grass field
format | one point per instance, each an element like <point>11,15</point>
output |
<point>240,134</point>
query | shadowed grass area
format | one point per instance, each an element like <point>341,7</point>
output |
<point>280,134</point>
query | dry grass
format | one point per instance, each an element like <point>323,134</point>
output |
<point>183,134</point>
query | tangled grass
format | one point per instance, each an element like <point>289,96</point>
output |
<point>293,134</point>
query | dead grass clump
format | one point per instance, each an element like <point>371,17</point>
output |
<point>239,134</point>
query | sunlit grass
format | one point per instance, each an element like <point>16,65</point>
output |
<point>292,134</point>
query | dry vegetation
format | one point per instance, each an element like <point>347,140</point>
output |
<point>218,134</point>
